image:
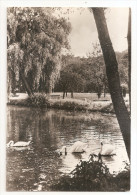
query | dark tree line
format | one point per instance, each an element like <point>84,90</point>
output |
<point>88,75</point>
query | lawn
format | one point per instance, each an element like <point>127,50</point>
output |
<point>82,96</point>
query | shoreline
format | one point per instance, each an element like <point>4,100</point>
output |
<point>70,105</point>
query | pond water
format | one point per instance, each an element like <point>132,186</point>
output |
<point>36,167</point>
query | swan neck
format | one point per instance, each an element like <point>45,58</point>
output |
<point>11,143</point>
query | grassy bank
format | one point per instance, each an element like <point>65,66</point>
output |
<point>81,102</point>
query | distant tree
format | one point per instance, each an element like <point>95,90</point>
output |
<point>122,59</point>
<point>98,68</point>
<point>70,81</point>
<point>35,41</point>
<point>92,71</point>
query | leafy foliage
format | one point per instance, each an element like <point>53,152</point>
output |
<point>71,105</point>
<point>122,59</point>
<point>35,40</point>
<point>37,100</point>
<point>89,74</point>
<point>70,80</point>
<point>74,106</point>
<point>93,176</point>
<point>99,72</point>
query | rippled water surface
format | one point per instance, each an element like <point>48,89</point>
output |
<point>36,167</point>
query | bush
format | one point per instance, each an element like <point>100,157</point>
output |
<point>38,100</point>
<point>93,176</point>
<point>71,105</point>
<point>123,180</point>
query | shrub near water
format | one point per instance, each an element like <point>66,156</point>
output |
<point>70,105</point>
<point>73,106</point>
<point>37,100</point>
<point>93,176</point>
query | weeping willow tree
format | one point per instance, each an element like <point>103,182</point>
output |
<point>35,40</point>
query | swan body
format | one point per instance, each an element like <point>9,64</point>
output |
<point>107,150</point>
<point>77,147</point>
<point>18,144</point>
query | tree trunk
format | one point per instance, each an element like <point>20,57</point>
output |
<point>13,87</point>
<point>24,81</point>
<point>113,76</point>
<point>8,85</point>
<point>49,87</point>
<point>26,85</point>
<point>129,55</point>
<point>63,94</point>
<point>105,86</point>
<point>72,94</point>
<point>104,92</point>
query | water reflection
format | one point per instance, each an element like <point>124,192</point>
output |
<point>50,130</point>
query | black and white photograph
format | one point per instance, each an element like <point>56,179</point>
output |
<point>68,99</point>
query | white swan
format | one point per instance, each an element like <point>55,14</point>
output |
<point>107,150</point>
<point>18,144</point>
<point>77,147</point>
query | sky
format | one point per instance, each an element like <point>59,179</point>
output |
<point>84,32</point>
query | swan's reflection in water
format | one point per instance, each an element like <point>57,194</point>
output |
<point>20,148</point>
